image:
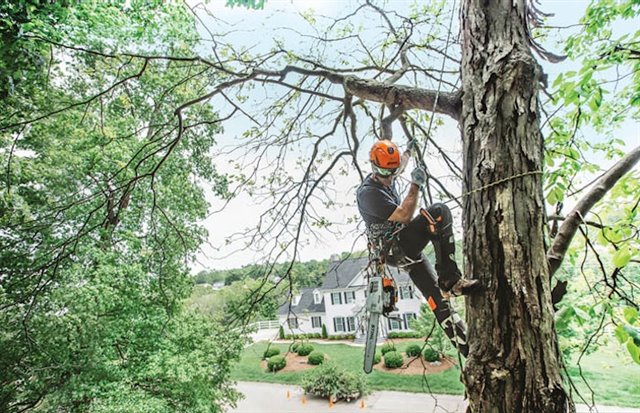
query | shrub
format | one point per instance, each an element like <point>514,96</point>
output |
<point>413,350</point>
<point>333,382</point>
<point>324,331</point>
<point>295,346</point>
<point>387,347</point>
<point>431,354</point>
<point>316,358</point>
<point>276,363</point>
<point>270,352</point>
<point>281,333</point>
<point>393,359</point>
<point>377,357</point>
<point>304,349</point>
<point>405,334</point>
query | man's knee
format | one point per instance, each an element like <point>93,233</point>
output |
<point>438,217</point>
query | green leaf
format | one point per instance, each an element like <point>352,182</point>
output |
<point>630,314</point>
<point>621,257</point>
<point>634,333</point>
<point>634,351</point>
<point>621,334</point>
<point>581,314</point>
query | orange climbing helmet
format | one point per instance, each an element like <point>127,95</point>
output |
<point>384,157</point>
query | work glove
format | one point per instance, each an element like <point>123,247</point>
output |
<point>419,177</point>
<point>412,145</point>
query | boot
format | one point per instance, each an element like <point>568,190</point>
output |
<point>462,287</point>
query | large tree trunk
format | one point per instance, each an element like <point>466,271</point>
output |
<point>514,363</point>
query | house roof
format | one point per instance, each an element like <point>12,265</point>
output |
<point>306,303</point>
<point>341,272</point>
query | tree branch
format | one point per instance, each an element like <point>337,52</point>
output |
<point>568,229</point>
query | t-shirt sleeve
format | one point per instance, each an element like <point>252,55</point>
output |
<point>376,203</point>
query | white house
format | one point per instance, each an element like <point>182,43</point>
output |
<point>339,303</point>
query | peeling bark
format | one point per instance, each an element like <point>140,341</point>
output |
<point>514,363</point>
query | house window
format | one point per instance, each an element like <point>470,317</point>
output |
<point>317,297</point>
<point>408,318</point>
<point>351,324</point>
<point>292,322</point>
<point>336,298</point>
<point>406,292</point>
<point>394,324</point>
<point>338,324</point>
<point>349,297</point>
<point>316,322</point>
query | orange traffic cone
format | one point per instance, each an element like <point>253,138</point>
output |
<point>304,400</point>
<point>362,405</point>
<point>330,402</point>
<point>288,394</point>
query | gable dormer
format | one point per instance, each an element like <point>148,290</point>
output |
<point>317,297</point>
<point>296,300</point>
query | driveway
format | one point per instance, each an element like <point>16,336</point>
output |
<point>281,398</point>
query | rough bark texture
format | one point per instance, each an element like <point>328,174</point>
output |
<point>514,363</point>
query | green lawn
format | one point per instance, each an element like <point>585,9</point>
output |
<point>615,381</point>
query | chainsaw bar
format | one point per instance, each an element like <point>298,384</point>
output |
<point>374,307</point>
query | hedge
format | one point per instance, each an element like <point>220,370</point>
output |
<point>431,354</point>
<point>270,352</point>
<point>387,347</point>
<point>335,383</point>
<point>304,349</point>
<point>413,350</point>
<point>316,358</point>
<point>377,357</point>
<point>393,359</point>
<point>404,334</point>
<point>276,363</point>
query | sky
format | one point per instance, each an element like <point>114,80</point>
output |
<point>250,26</point>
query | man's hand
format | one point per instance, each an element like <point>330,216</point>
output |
<point>412,145</point>
<point>419,177</point>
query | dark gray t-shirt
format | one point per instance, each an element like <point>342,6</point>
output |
<point>376,203</point>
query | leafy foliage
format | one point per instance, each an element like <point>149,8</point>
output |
<point>413,350</point>
<point>431,354</point>
<point>427,326</point>
<point>303,274</point>
<point>316,358</point>
<point>304,349</point>
<point>387,347</point>
<point>331,381</point>
<point>276,363</point>
<point>270,352</point>
<point>628,333</point>
<point>393,359</point>
<point>98,221</point>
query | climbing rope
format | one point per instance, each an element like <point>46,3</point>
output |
<point>492,184</point>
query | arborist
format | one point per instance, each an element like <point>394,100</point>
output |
<point>391,226</point>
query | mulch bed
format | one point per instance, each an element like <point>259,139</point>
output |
<point>413,366</point>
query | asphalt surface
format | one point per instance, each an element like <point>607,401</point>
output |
<point>281,398</point>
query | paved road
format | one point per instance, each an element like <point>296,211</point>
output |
<point>280,398</point>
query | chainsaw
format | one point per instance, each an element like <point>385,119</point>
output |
<point>381,300</point>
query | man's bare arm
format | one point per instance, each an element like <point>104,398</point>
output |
<point>407,208</point>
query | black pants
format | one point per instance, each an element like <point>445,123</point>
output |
<point>436,227</point>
